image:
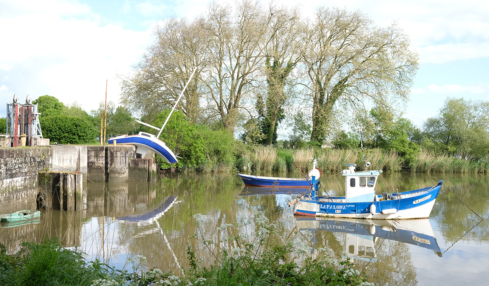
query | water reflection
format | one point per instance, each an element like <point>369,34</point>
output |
<point>392,253</point>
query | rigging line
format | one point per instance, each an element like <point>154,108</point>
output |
<point>168,244</point>
<point>307,176</point>
<point>463,236</point>
<point>464,203</point>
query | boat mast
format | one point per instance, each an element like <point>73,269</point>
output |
<point>164,124</point>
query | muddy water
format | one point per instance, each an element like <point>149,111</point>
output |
<point>125,219</point>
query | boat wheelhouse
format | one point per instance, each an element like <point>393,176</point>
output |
<point>361,201</point>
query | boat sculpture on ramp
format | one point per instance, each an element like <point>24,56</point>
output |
<point>145,142</point>
<point>361,201</point>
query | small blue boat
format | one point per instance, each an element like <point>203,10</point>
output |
<point>259,181</point>
<point>144,142</point>
<point>361,201</point>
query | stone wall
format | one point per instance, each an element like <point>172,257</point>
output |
<point>19,169</point>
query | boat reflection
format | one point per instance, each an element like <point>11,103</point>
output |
<point>361,236</point>
<point>275,190</point>
<point>151,216</point>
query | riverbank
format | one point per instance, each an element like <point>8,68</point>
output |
<point>270,159</point>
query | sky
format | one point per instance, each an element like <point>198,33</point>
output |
<point>69,48</point>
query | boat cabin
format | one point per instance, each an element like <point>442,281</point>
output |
<point>360,186</point>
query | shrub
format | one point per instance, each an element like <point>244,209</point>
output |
<point>67,130</point>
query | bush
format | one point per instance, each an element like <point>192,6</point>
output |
<point>49,264</point>
<point>67,130</point>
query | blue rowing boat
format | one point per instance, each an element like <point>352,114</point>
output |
<point>259,181</point>
<point>145,142</point>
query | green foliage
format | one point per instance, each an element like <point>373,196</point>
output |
<point>462,127</point>
<point>67,130</point>
<point>3,125</point>
<point>253,133</point>
<point>346,140</point>
<point>49,106</point>
<point>182,138</point>
<point>301,132</point>
<point>49,264</point>
<point>119,120</point>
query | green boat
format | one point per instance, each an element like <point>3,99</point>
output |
<point>23,215</point>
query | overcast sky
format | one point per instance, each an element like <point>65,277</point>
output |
<point>68,49</point>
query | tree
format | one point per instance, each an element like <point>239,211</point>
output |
<point>462,127</point>
<point>182,138</point>
<point>346,57</point>
<point>237,41</point>
<point>301,131</point>
<point>49,105</point>
<point>3,125</point>
<point>166,68</point>
<point>280,59</point>
<point>119,119</point>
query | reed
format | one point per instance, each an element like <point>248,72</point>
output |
<point>430,163</point>
<point>263,158</point>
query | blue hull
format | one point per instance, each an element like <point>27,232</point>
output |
<point>415,204</point>
<point>259,181</point>
<point>153,144</point>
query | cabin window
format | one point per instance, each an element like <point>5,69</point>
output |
<point>361,250</point>
<point>371,181</point>
<point>351,248</point>
<point>352,182</point>
<point>363,181</point>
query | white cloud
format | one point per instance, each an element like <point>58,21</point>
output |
<point>65,52</point>
<point>3,88</point>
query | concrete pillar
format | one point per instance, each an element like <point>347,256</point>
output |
<point>96,163</point>
<point>68,191</point>
<point>117,162</point>
<point>139,170</point>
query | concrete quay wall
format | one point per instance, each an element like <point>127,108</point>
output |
<point>19,169</point>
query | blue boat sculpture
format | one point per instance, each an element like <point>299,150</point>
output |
<point>144,142</point>
<point>361,201</point>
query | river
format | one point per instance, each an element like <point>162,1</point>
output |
<point>125,219</point>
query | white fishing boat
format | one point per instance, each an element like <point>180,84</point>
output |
<point>361,201</point>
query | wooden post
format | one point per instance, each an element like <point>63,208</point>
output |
<point>105,123</point>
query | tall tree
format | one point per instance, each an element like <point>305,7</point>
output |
<point>346,57</point>
<point>237,41</point>
<point>282,55</point>
<point>166,68</point>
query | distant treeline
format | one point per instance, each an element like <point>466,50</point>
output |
<point>457,140</point>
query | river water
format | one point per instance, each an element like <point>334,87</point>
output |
<point>125,219</point>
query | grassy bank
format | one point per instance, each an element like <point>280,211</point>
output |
<point>264,159</point>
<point>237,260</point>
